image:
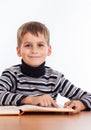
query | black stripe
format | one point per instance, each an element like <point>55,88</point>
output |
<point>44,77</point>
<point>6,83</point>
<point>12,99</point>
<point>57,88</point>
<point>4,99</point>
<point>83,94</point>
<point>33,90</point>
<point>38,84</point>
<point>64,84</point>
<point>50,77</point>
<point>75,93</point>
<point>9,74</point>
<point>1,85</point>
<point>70,88</point>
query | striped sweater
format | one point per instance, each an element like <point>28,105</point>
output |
<point>15,85</point>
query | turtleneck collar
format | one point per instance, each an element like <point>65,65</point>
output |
<point>33,71</point>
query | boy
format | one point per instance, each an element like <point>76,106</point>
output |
<point>31,82</point>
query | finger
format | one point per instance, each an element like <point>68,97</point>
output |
<point>73,106</point>
<point>70,104</point>
<point>46,101</point>
<point>54,104</point>
<point>50,101</point>
<point>67,103</point>
<point>43,101</point>
<point>41,104</point>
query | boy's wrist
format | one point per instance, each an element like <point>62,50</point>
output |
<point>26,100</point>
<point>85,105</point>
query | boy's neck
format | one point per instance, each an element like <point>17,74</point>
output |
<point>33,71</point>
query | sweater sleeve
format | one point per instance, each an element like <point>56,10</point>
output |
<point>70,91</point>
<point>8,85</point>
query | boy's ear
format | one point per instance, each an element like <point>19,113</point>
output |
<point>49,51</point>
<point>18,51</point>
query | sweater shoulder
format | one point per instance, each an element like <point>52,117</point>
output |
<point>13,69</point>
<point>52,72</point>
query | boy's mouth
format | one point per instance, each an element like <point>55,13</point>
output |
<point>34,56</point>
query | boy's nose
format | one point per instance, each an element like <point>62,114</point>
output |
<point>34,50</point>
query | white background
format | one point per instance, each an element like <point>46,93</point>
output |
<point>69,22</point>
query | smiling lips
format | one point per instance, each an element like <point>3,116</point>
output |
<point>34,56</point>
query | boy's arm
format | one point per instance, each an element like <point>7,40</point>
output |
<point>8,84</point>
<point>68,90</point>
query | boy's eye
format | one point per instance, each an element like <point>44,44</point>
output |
<point>27,45</point>
<point>40,45</point>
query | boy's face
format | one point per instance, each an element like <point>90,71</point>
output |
<point>34,49</point>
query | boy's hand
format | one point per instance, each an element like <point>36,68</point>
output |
<point>44,100</point>
<point>77,105</point>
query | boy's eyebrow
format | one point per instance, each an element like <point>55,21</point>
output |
<point>36,42</point>
<point>41,42</point>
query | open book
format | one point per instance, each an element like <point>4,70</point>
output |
<point>19,110</point>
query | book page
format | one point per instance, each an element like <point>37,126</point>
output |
<point>9,110</point>
<point>19,110</point>
<point>34,108</point>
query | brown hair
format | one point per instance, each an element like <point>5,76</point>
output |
<point>34,28</point>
